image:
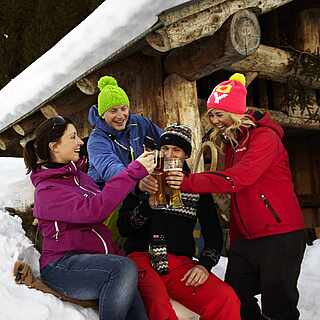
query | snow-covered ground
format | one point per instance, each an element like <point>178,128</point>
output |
<point>19,302</point>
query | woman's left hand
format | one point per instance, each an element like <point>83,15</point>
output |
<point>196,276</point>
<point>174,179</point>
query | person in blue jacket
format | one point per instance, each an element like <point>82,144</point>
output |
<point>118,135</point>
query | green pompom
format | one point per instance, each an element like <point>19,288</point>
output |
<point>238,77</point>
<point>107,81</point>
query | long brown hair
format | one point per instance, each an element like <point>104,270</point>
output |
<point>37,151</point>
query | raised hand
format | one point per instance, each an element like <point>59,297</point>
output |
<point>147,160</point>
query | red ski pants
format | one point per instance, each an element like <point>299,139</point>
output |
<point>213,300</point>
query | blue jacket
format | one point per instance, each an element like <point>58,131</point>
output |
<point>110,150</point>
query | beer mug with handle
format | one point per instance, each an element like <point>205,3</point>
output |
<point>174,164</point>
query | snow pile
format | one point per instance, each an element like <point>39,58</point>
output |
<point>309,283</point>
<point>16,189</point>
<point>18,301</point>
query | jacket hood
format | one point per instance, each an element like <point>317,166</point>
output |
<point>266,121</point>
<point>96,122</point>
<point>43,173</point>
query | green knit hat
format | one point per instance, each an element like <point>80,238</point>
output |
<point>111,95</point>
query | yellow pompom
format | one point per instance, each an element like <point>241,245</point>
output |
<point>238,77</point>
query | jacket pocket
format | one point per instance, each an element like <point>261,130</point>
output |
<point>268,205</point>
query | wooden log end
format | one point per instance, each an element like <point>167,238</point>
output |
<point>87,86</point>
<point>49,111</point>
<point>245,33</point>
<point>18,129</point>
<point>3,145</point>
<point>159,40</point>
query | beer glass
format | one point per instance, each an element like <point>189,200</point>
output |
<point>159,200</point>
<point>174,164</point>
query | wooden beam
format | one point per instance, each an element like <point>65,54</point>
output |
<point>290,122</point>
<point>238,38</point>
<point>4,142</point>
<point>27,125</point>
<point>181,106</point>
<point>277,65</point>
<point>250,76</point>
<point>49,111</point>
<point>88,84</point>
<point>71,102</point>
<point>7,142</point>
<point>199,19</point>
<point>26,139</point>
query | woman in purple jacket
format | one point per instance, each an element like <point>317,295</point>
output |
<point>78,256</point>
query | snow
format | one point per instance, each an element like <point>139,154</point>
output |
<point>108,29</point>
<point>19,302</point>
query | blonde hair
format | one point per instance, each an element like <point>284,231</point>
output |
<point>230,134</point>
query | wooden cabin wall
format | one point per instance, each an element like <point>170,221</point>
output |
<point>141,77</point>
<point>304,153</point>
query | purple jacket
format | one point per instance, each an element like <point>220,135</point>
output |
<point>71,209</point>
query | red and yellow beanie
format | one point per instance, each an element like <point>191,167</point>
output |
<point>229,95</point>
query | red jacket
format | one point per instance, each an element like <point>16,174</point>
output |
<point>258,177</point>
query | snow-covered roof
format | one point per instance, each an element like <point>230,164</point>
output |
<point>114,25</point>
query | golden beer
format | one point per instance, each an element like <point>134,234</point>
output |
<point>159,200</point>
<point>174,164</point>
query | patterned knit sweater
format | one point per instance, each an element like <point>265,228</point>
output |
<point>138,222</point>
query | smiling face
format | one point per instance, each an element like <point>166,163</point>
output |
<point>117,117</point>
<point>219,119</point>
<point>67,148</point>
<point>172,151</point>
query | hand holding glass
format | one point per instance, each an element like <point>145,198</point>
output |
<point>174,164</point>
<point>158,200</point>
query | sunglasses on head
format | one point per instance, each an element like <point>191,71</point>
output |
<point>58,121</point>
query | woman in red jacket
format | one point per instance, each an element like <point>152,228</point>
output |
<point>267,238</point>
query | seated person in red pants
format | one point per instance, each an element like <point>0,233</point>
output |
<point>161,244</point>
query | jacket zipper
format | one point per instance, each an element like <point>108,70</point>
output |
<point>57,230</point>
<point>269,206</point>
<point>230,180</point>
<point>78,184</point>
<point>93,230</point>
<point>102,240</point>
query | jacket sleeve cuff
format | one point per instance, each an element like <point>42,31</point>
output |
<point>209,258</point>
